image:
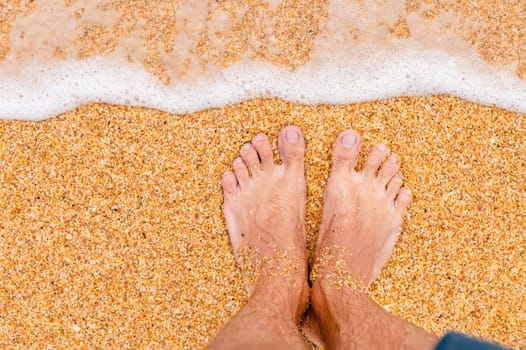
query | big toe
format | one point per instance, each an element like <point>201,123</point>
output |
<point>291,144</point>
<point>346,150</point>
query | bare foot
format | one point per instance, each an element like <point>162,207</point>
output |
<point>362,214</point>
<point>362,210</point>
<point>265,214</point>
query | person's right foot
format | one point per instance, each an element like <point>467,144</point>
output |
<point>362,214</point>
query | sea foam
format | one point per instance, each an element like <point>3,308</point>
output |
<point>335,74</point>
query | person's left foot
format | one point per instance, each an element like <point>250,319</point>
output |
<point>265,214</point>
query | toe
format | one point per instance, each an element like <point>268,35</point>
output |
<point>394,186</point>
<point>346,150</point>
<point>403,199</point>
<point>229,183</point>
<point>374,160</point>
<point>241,171</point>
<point>250,156</point>
<point>291,146</point>
<point>262,145</point>
<point>388,170</point>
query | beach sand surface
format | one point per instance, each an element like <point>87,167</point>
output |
<point>112,235</point>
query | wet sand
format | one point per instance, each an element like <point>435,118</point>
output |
<point>112,234</point>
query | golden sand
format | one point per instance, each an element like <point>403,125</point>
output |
<point>111,230</point>
<point>112,234</point>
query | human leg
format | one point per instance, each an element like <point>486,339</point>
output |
<point>361,220</point>
<point>265,213</point>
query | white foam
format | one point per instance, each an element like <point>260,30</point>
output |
<point>341,70</point>
<point>42,93</point>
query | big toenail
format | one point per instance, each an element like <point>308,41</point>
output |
<point>348,140</point>
<point>259,137</point>
<point>382,148</point>
<point>246,146</point>
<point>292,136</point>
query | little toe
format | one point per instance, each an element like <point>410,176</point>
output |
<point>291,144</point>
<point>346,150</point>
<point>250,156</point>
<point>388,170</point>
<point>241,171</point>
<point>394,186</point>
<point>374,160</point>
<point>229,184</point>
<point>264,149</point>
<point>403,199</point>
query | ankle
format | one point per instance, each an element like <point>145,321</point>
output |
<point>333,308</point>
<point>282,297</point>
<point>351,319</point>
<point>270,319</point>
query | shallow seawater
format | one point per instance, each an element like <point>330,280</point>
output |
<point>184,56</point>
<point>111,230</point>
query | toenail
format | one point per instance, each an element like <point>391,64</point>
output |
<point>382,148</point>
<point>348,140</point>
<point>246,146</point>
<point>238,161</point>
<point>408,191</point>
<point>292,136</point>
<point>259,137</point>
<point>393,159</point>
